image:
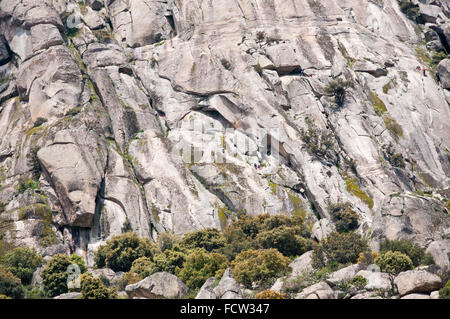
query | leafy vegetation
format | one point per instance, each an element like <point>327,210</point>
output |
<point>10,285</point>
<point>394,262</point>
<point>93,288</point>
<point>413,251</point>
<point>120,252</point>
<point>345,218</point>
<point>338,248</point>
<point>319,143</point>
<point>22,262</point>
<point>259,266</point>
<point>55,274</point>
<point>270,294</point>
<point>201,265</point>
<point>444,293</point>
<point>338,88</point>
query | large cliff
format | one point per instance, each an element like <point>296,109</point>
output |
<point>289,106</point>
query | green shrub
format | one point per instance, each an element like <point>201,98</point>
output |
<point>170,260</point>
<point>10,285</point>
<point>341,248</point>
<point>287,240</point>
<point>256,232</point>
<point>394,262</point>
<point>55,274</point>
<point>413,251</point>
<point>128,278</point>
<point>358,281</point>
<point>33,161</point>
<point>444,293</point>
<point>121,250</point>
<point>210,239</point>
<point>437,57</point>
<point>93,288</point>
<point>345,218</point>
<point>201,265</point>
<point>259,266</point>
<point>318,142</point>
<point>338,89</point>
<point>39,121</point>
<point>142,267</point>
<point>22,262</point>
<point>2,207</point>
<point>25,185</point>
<point>409,9</point>
<point>270,294</point>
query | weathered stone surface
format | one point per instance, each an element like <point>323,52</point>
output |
<point>45,36</point>
<point>443,71</point>
<point>344,274</point>
<point>375,280</point>
<point>207,290</point>
<point>69,295</point>
<point>128,92</point>
<point>228,287</point>
<point>439,250</point>
<point>416,281</point>
<point>322,228</point>
<point>157,286</point>
<point>416,296</point>
<point>318,291</point>
<point>74,162</point>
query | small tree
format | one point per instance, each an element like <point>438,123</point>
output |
<point>338,89</point>
<point>201,265</point>
<point>210,239</point>
<point>413,251</point>
<point>93,288</point>
<point>394,262</point>
<point>121,250</point>
<point>10,285</point>
<point>56,273</point>
<point>339,248</point>
<point>22,262</point>
<point>444,293</point>
<point>259,266</point>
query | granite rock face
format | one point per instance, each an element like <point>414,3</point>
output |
<point>176,115</point>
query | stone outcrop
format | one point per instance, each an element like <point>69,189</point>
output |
<point>417,281</point>
<point>157,286</point>
<point>173,116</point>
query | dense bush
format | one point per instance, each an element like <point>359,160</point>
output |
<point>341,248</point>
<point>367,258</point>
<point>338,89</point>
<point>210,239</point>
<point>358,281</point>
<point>270,294</point>
<point>93,288</point>
<point>444,293</point>
<point>22,262</point>
<point>201,265</point>
<point>287,240</point>
<point>121,250</point>
<point>128,278</point>
<point>56,273</point>
<point>143,267</point>
<point>265,231</point>
<point>394,262</point>
<point>413,251</point>
<point>10,285</point>
<point>170,260</point>
<point>259,266</point>
<point>345,218</point>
